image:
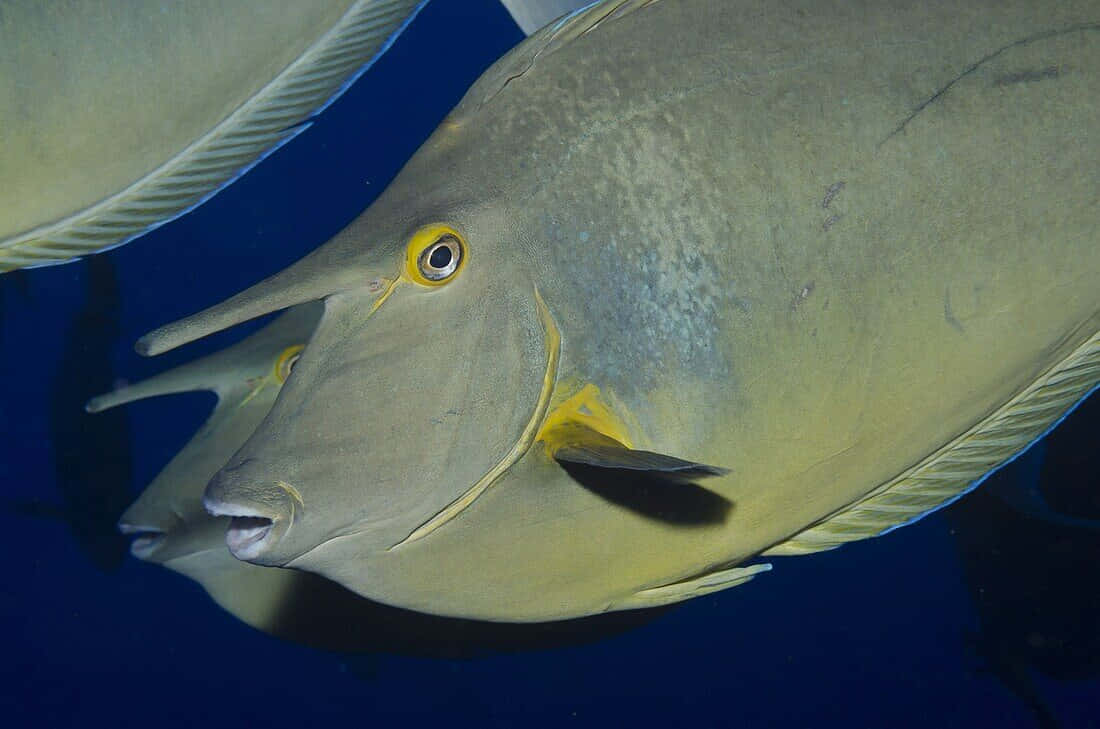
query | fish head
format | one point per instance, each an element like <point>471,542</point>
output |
<point>425,379</point>
<point>168,520</point>
<point>403,403</point>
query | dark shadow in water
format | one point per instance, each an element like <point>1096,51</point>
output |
<point>322,614</point>
<point>92,454</point>
<point>12,282</point>
<point>684,504</point>
<point>1034,581</point>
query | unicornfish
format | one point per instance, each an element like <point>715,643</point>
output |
<point>168,523</point>
<point>681,286</point>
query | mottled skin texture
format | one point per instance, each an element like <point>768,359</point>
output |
<point>809,242</point>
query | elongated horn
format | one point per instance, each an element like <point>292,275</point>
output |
<point>309,279</point>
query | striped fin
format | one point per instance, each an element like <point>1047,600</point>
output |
<point>962,464</point>
<point>264,123</point>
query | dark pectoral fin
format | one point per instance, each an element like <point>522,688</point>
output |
<point>652,484</point>
<point>655,465</point>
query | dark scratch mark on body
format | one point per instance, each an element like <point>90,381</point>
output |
<point>982,61</point>
<point>948,314</point>
<point>1026,77</point>
<point>831,192</point>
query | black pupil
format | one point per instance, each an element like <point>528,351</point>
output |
<point>440,258</point>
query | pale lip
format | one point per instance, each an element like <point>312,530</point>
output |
<point>249,534</point>
<point>147,540</point>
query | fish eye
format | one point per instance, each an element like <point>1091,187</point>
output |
<point>435,255</point>
<point>440,260</point>
<point>284,365</point>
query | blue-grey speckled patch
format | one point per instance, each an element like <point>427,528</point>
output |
<point>654,304</point>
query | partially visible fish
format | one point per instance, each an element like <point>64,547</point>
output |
<point>117,116</point>
<point>1032,572</point>
<point>167,521</point>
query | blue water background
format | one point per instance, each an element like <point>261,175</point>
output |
<point>871,635</point>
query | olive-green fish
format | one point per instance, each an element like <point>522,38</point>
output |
<point>117,116</point>
<point>680,284</point>
<point>169,523</point>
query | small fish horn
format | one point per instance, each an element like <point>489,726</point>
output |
<point>310,279</point>
<point>186,378</point>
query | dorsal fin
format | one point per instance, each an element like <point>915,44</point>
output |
<point>962,464</point>
<point>519,60</point>
<point>530,15</point>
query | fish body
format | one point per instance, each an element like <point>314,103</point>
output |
<point>842,261</point>
<point>117,116</point>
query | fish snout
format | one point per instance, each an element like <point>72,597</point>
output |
<point>147,539</point>
<point>148,527</point>
<point>260,511</point>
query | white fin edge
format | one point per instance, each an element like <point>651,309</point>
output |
<point>961,465</point>
<point>268,120</point>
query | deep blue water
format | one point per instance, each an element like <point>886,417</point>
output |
<point>884,633</point>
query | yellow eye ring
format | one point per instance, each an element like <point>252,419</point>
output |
<point>435,255</point>
<point>284,365</point>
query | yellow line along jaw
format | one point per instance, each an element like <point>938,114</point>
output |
<point>522,445</point>
<point>285,363</point>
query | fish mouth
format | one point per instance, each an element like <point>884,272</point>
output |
<point>147,539</point>
<point>246,534</point>
<point>250,533</point>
